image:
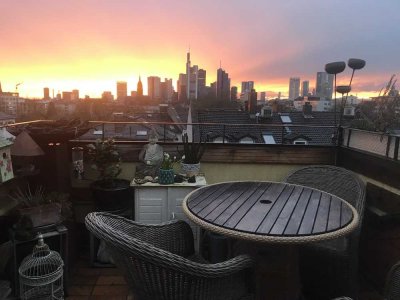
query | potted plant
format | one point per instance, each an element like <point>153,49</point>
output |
<point>166,174</point>
<point>110,193</point>
<point>191,155</point>
<point>37,208</point>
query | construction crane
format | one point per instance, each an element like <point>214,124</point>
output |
<point>16,86</point>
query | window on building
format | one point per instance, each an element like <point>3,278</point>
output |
<point>269,138</point>
<point>141,132</point>
<point>286,119</point>
<point>219,140</point>
<point>300,142</point>
<point>246,140</point>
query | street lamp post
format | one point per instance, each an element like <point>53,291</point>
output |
<point>336,68</point>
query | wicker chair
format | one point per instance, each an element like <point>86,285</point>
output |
<point>392,285</point>
<point>155,260</point>
<point>330,269</point>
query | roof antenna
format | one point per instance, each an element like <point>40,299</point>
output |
<point>220,64</point>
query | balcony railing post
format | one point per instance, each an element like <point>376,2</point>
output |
<point>348,136</point>
<point>102,131</point>
<point>389,141</point>
<point>396,148</point>
<point>223,134</point>
<point>164,131</point>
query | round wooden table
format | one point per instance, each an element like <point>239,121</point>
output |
<point>280,214</point>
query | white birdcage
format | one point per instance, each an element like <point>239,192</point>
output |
<point>41,274</point>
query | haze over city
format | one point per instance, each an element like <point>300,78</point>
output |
<point>89,45</point>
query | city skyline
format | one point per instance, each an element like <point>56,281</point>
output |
<point>90,45</point>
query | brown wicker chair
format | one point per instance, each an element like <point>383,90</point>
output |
<point>392,285</point>
<point>330,269</point>
<point>155,260</point>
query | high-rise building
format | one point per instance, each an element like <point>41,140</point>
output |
<point>324,85</point>
<point>46,93</point>
<point>75,95</point>
<point>262,96</point>
<point>247,86</point>
<point>223,85</point>
<point>245,92</point>
<point>139,90</point>
<point>167,90</point>
<point>106,95</point>
<point>181,85</point>
<point>305,88</point>
<point>234,93</point>
<point>201,83</point>
<point>294,88</point>
<point>154,87</point>
<point>122,90</point>
<point>253,101</point>
<point>192,79</point>
<point>67,96</point>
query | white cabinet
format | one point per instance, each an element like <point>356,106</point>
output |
<point>155,203</point>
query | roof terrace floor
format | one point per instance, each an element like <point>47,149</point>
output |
<point>87,283</point>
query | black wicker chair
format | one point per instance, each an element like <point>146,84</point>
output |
<point>392,285</point>
<point>330,269</point>
<point>155,260</point>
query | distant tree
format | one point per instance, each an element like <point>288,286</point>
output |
<point>383,112</point>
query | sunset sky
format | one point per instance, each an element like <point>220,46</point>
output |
<point>90,44</point>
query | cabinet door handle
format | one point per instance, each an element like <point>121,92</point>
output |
<point>173,216</point>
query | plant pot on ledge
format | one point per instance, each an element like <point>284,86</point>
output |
<point>190,169</point>
<point>166,176</point>
<point>109,192</point>
<point>191,156</point>
<point>115,198</point>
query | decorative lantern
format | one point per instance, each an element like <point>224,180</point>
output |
<point>6,169</point>
<point>41,274</point>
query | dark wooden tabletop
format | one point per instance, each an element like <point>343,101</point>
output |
<point>268,209</point>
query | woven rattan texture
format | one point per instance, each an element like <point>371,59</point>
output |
<point>154,261</point>
<point>330,269</point>
<point>392,285</point>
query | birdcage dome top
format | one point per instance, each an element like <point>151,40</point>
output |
<point>43,265</point>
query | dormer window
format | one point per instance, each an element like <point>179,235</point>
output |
<point>246,140</point>
<point>286,119</point>
<point>300,142</point>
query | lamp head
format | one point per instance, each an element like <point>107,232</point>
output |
<point>356,63</point>
<point>343,89</point>
<point>335,67</point>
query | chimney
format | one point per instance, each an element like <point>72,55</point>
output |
<point>307,108</point>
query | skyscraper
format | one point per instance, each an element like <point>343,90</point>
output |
<point>262,96</point>
<point>324,85</point>
<point>192,79</point>
<point>139,89</point>
<point>223,85</point>
<point>294,88</point>
<point>75,95</point>
<point>154,87</point>
<point>122,90</point>
<point>247,86</point>
<point>201,83</point>
<point>181,85</point>
<point>167,90</point>
<point>46,93</point>
<point>234,93</point>
<point>305,88</point>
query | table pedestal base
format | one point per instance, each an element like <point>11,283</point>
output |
<point>276,270</point>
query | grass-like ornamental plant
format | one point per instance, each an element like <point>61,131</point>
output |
<point>192,151</point>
